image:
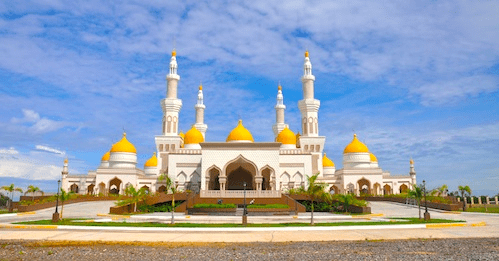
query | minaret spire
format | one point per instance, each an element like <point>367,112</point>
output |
<point>200,125</point>
<point>171,105</point>
<point>309,106</point>
<point>279,113</point>
<point>412,172</point>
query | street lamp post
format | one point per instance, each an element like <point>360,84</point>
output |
<point>426,213</point>
<point>56,216</point>
<point>245,217</point>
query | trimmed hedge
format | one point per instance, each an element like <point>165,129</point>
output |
<point>268,206</point>
<point>214,206</point>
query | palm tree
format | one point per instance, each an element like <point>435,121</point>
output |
<point>465,192</point>
<point>417,193</point>
<point>32,189</point>
<point>136,195</point>
<point>346,199</point>
<point>63,197</point>
<point>315,191</point>
<point>12,189</point>
<point>442,189</point>
<point>170,187</point>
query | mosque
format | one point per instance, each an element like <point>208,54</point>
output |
<point>225,169</point>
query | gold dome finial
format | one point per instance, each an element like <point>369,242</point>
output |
<point>411,161</point>
<point>200,86</point>
<point>356,146</point>
<point>66,161</point>
<point>306,53</point>
<point>174,52</point>
<point>279,87</point>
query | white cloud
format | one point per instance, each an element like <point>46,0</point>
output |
<point>49,149</point>
<point>10,151</point>
<point>32,122</point>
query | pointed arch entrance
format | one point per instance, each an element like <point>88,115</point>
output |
<point>241,171</point>
<point>364,186</point>
<point>114,186</point>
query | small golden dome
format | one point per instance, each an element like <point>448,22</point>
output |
<point>240,133</point>
<point>174,52</point>
<point>373,158</point>
<point>152,162</point>
<point>306,53</point>
<point>193,136</point>
<point>106,156</point>
<point>356,146</point>
<point>66,161</point>
<point>279,87</point>
<point>123,146</point>
<point>200,87</point>
<point>411,162</point>
<point>286,136</point>
<point>326,162</point>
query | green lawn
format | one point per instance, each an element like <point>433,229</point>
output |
<point>490,209</point>
<point>73,222</point>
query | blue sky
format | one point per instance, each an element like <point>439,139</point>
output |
<point>412,78</point>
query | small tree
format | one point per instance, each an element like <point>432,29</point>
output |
<point>32,189</point>
<point>12,189</point>
<point>136,195</point>
<point>316,190</point>
<point>63,196</point>
<point>170,187</point>
<point>346,200</point>
<point>417,193</point>
<point>465,192</point>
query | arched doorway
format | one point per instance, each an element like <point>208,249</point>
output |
<point>334,190</point>
<point>237,178</point>
<point>102,188</point>
<point>376,188</point>
<point>90,189</point>
<point>146,188</point>
<point>214,183</point>
<point>162,188</point>
<point>351,188</point>
<point>266,173</point>
<point>114,186</point>
<point>403,188</point>
<point>387,190</point>
<point>74,188</point>
<point>240,171</point>
<point>364,186</point>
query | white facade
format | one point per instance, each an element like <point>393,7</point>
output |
<point>220,169</point>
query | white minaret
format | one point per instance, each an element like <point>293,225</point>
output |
<point>169,141</point>
<point>200,125</point>
<point>309,107</point>
<point>412,172</point>
<point>310,141</point>
<point>279,113</point>
<point>171,105</point>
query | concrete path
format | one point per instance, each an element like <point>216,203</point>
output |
<point>491,229</point>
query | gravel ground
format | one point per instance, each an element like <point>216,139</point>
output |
<point>422,249</point>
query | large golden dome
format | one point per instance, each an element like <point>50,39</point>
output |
<point>356,146</point>
<point>106,156</point>
<point>152,162</point>
<point>373,158</point>
<point>240,133</point>
<point>193,136</point>
<point>326,162</point>
<point>123,146</point>
<point>286,136</point>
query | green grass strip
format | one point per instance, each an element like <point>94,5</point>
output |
<point>403,221</point>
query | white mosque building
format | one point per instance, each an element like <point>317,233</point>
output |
<point>220,169</point>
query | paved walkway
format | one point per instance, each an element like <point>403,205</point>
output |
<point>491,229</point>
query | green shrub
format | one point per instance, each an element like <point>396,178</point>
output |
<point>214,206</point>
<point>318,206</point>
<point>268,206</point>
<point>162,207</point>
